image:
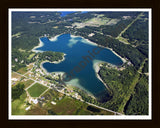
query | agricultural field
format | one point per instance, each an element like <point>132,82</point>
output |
<point>27,82</point>
<point>96,22</point>
<point>59,104</point>
<point>16,78</point>
<point>15,75</point>
<point>22,70</point>
<point>36,90</point>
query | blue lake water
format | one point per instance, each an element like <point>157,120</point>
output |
<point>64,13</point>
<point>79,53</point>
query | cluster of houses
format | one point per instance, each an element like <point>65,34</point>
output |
<point>39,73</point>
<point>121,67</point>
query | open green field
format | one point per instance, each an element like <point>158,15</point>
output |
<point>16,75</point>
<point>18,107</point>
<point>69,106</point>
<point>22,70</point>
<point>122,39</point>
<point>36,90</point>
<point>27,83</point>
<point>31,55</point>
<point>17,35</point>
<point>97,21</point>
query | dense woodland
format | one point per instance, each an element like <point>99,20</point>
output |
<point>126,51</point>
<point>17,91</point>
<point>21,59</point>
<point>119,83</point>
<point>138,31</point>
<point>128,89</point>
<point>50,56</point>
<point>138,103</point>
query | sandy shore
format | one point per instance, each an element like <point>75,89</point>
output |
<point>46,72</point>
<point>123,59</point>
<point>54,38</point>
<point>41,66</point>
<point>96,67</point>
<point>73,36</point>
<point>55,62</point>
<point>93,43</point>
<point>39,45</point>
<point>88,41</point>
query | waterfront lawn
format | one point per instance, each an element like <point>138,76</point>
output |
<point>22,70</point>
<point>36,90</point>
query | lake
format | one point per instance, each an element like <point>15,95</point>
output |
<point>64,13</point>
<point>80,55</point>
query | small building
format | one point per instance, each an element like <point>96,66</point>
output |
<point>16,59</point>
<point>35,101</point>
<point>52,102</point>
<point>28,108</point>
<point>14,79</point>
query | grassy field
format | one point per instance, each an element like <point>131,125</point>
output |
<point>37,110</point>
<point>124,40</point>
<point>17,35</point>
<point>36,90</point>
<point>97,21</point>
<point>18,107</point>
<point>22,70</point>
<point>31,55</point>
<point>68,106</point>
<point>19,77</point>
<point>15,75</point>
<point>21,50</point>
<point>27,83</point>
<point>65,105</point>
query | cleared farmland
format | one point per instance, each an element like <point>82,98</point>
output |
<point>36,90</point>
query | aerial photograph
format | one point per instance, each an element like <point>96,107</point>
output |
<point>83,63</point>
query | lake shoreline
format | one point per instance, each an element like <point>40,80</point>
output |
<point>97,68</point>
<point>93,43</point>
<point>55,62</point>
<point>74,36</point>
<point>96,65</point>
<point>41,44</point>
<point>89,42</point>
<point>54,38</point>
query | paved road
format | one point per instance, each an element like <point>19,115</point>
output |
<point>30,85</point>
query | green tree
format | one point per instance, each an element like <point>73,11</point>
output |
<point>17,91</point>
